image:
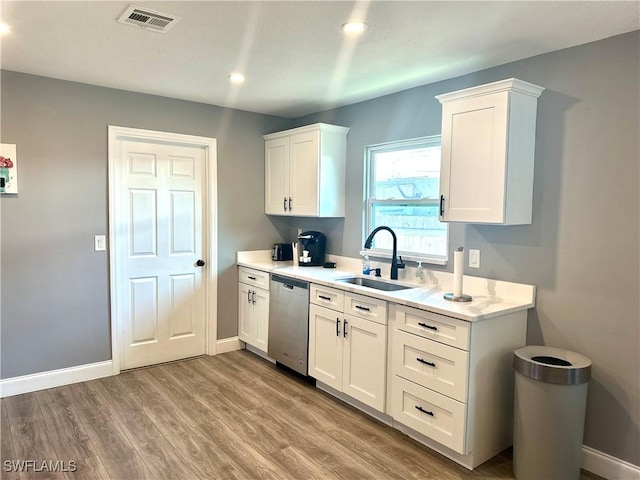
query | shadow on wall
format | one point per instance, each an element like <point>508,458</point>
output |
<point>528,253</point>
<point>333,228</point>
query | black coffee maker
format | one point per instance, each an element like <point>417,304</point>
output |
<point>311,250</point>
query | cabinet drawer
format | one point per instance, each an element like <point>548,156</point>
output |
<point>257,278</point>
<point>436,416</point>
<point>372,309</point>
<point>431,364</point>
<point>447,330</point>
<point>327,297</point>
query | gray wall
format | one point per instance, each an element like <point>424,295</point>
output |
<point>54,287</point>
<point>55,294</point>
<point>582,249</point>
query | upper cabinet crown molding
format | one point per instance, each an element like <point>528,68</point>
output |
<point>305,171</point>
<point>488,147</point>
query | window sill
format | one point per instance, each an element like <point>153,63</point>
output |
<point>410,257</point>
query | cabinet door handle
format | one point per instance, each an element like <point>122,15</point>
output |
<point>418,407</point>
<point>249,296</point>
<point>344,328</point>
<point>252,278</point>
<point>253,297</point>
<point>430,327</point>
<point>337,327</point>
<point>324,298</point>
<point>360,307</point>
<point>290,206</point>
<point>441,205</point>
<point>285,204</point>
<point>422,360</point>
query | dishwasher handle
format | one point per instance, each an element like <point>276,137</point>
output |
<point>289,283</point>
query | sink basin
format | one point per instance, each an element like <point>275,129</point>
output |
<point>371,283</point>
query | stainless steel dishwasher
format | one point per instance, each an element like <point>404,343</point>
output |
<point>289,322</point>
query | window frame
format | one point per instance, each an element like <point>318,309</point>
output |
<point>369,201</point>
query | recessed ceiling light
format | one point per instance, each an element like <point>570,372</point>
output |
<point>354,27</point>
<point>236,77</point>
<point>4,28</point>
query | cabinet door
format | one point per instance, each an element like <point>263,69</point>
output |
<point>261,313</point>
<point>276,154</point>
<point>364,358</point>
<point>246,318</point>
<point>303,171</point>
<point>325,346</point>
<point>473,174</point>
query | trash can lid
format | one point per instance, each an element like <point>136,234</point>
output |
<point>552,365</point>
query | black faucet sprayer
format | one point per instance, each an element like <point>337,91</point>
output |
<point>394,260</point>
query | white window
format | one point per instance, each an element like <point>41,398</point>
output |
<point>403,194</point>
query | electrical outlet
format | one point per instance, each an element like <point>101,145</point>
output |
<point>474,258</point>
<point>100,243</point>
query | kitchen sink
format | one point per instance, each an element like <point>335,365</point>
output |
<point>371,283</point>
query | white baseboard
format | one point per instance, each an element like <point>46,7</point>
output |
<point>607,466</point>
<point>229,345</point>
<point>55,378</point>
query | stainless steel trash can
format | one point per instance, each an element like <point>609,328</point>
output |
<point>550,404</point>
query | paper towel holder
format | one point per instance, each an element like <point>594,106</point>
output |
<point>458,258</point>
<point>462,298</point>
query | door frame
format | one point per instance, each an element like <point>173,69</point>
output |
<point>210,228</point>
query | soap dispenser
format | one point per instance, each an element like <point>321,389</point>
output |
<point>366,265</point>
<point>419,273</point>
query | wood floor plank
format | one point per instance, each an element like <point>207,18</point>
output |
<point>114,448</point>
<point>237,454</point>
<point>8,451</point>
<point>298,466</point>
<point>30,437</point>
<point>160,456</point>
<point>65,428</point>
<point>241,453</point>
<point>205,459</point>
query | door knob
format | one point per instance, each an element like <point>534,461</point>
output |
<point>200,263</point>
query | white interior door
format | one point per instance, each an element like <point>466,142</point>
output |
<point>159,243</point>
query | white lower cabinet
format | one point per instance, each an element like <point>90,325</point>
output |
<point>253,308</point>
<point>348,346</point>
<point>451,381</point>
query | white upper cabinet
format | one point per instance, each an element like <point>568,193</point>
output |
<point>305,171</point>
<point>488,144</point>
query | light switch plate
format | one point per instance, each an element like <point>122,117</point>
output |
<point>474,258</point>
<point>100,243</point>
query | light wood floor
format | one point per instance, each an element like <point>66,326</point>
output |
<point>229,416</point>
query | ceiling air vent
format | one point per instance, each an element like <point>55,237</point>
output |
<point>150,19</point>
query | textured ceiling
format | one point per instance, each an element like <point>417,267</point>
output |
<point>294,55</point>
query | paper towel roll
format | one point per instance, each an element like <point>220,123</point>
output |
<point>458,266</point>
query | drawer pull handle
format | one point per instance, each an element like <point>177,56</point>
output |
<point>337,327</point>
<point>324,298</point>
<point>430,327</point>
<point>251,278</point>
<point>422,360</point>
<point>418,407</point>
<point>360,307</point>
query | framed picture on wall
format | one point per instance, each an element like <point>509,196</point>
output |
<point>8,168</point>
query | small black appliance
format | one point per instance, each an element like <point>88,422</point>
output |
<point>312,246</point>
<point>281,252</point>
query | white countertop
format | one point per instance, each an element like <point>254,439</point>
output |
<point>491,298</point>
